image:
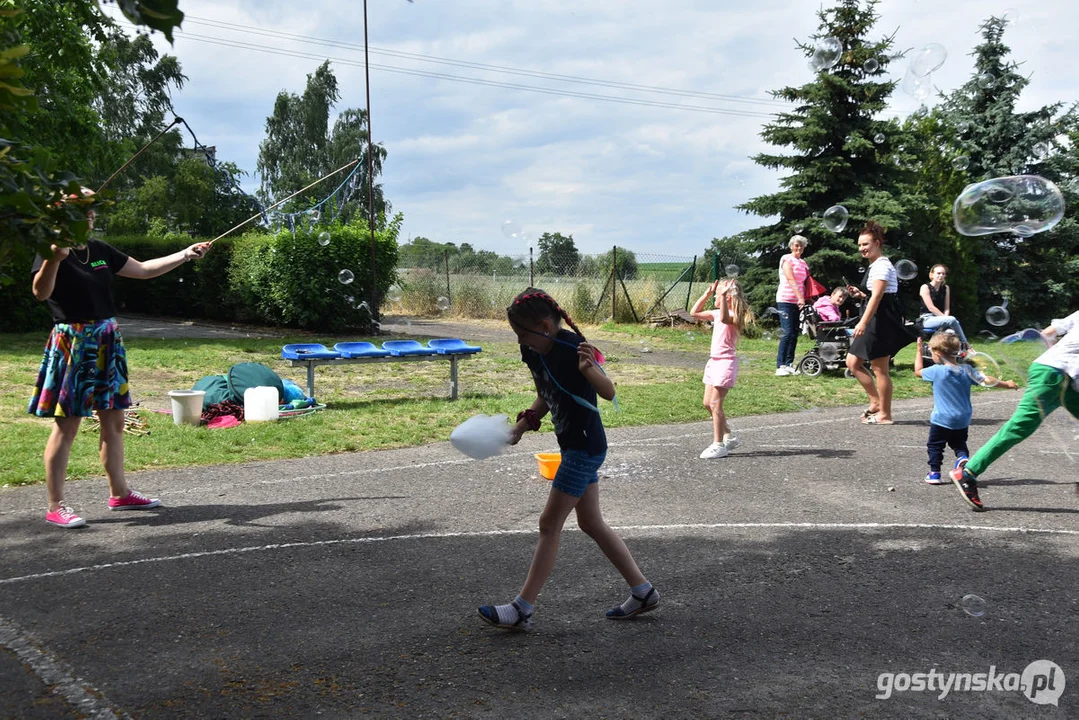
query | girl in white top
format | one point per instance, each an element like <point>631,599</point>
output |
<point>730,317</point>
<point>881,331</point>
<point>1053,381</point>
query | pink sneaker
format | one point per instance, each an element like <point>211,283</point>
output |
<point>133,501</point>
<point>64,517</point>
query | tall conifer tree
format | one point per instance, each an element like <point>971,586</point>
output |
<point>842,154</point>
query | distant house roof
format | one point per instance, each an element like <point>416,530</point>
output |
<point>205,153</point>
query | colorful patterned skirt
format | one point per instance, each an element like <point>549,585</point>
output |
<point>84,369</point>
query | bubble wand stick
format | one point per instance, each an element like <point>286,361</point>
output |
<point>279,202</point>
<point>175,121</point>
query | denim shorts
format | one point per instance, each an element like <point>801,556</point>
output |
<point>577,471</point>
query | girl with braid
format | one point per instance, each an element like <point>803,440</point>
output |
<point>568,377</point>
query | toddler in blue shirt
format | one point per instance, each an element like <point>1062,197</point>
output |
<point>950,421</point>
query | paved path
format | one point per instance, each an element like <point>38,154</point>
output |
<point>794,573</point>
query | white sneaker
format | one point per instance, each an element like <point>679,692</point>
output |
<point>731,442</point>
<point>791,370</point>
<point>782,370</point>
<point>715,450</point>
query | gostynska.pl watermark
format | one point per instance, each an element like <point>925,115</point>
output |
<point>1041,682</point>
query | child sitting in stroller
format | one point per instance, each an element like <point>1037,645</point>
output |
<point>823,322</point>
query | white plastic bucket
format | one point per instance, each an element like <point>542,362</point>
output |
<point>260,404</point>
<point>187,406</point>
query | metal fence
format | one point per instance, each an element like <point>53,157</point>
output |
<point>619,284</point>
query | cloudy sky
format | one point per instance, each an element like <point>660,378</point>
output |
<point>479,130</point>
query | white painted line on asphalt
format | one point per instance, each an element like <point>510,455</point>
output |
<point>85,698</point>
<point>501,533</point>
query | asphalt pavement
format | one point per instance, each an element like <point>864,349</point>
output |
<point>811,574</point>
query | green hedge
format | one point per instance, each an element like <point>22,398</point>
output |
<point>284,279</point>
<point>290,279</point>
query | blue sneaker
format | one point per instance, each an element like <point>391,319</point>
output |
<point>933,478</point>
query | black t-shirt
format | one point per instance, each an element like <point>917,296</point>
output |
<point>83,290</point>
<point>937,296</point>
<point>575,426</point>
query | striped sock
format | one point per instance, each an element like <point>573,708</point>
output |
<point>512,612</point>
<point>632,604</point>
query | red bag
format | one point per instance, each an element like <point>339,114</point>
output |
<point>814,289</point>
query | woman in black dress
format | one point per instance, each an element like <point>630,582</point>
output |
<point>881,332</point>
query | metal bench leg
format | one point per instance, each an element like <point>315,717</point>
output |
<point>453,378</point>
<point>310,380</point>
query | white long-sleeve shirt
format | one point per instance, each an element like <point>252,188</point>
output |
<point>1064,356</point>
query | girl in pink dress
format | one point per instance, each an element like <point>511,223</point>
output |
<point>730,317</point>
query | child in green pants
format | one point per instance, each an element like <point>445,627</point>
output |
<point>1053,381</point>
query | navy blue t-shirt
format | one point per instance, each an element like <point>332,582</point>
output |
<point>83,290</point>
<point>575,426</point>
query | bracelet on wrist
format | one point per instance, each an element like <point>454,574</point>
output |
<point>531,417</point>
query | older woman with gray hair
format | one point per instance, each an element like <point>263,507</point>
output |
<point>790,297</point>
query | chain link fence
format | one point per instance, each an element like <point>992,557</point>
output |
<point>618,285</point>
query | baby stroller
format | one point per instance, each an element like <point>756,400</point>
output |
<point>831,342</point>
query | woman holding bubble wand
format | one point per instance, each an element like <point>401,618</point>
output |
<point>880,332</point>
<point>568,377</point>
<point>84,368</point>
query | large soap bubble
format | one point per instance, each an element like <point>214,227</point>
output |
<point>998,315</point>
<point>926,59</point>
<point>481,436</point>
<point>987,366</point>
<point>1021,204</point>
<point>511,228</point>
<point>826,54</point>
<point>919,87</point>
<point>1025,335</point>
<point>906,269</point>
<point>835,218</point>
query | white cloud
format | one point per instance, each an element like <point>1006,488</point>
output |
<point>463,157</point>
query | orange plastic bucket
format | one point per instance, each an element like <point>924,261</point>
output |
<point>548,464</point>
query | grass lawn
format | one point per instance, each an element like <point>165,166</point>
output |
<point>397,405</point>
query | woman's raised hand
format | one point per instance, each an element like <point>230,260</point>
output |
<point>196,251</point>
<point>59,253</point>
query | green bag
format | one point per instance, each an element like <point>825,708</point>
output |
<point>249,375</point>
<point>216,388</point>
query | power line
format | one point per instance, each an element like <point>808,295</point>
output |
<point>247,29</point>
<point>474,81</point>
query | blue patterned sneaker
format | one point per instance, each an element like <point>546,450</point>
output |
<point>933,478</point>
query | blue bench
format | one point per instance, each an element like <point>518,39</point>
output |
<point>312,355</point>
